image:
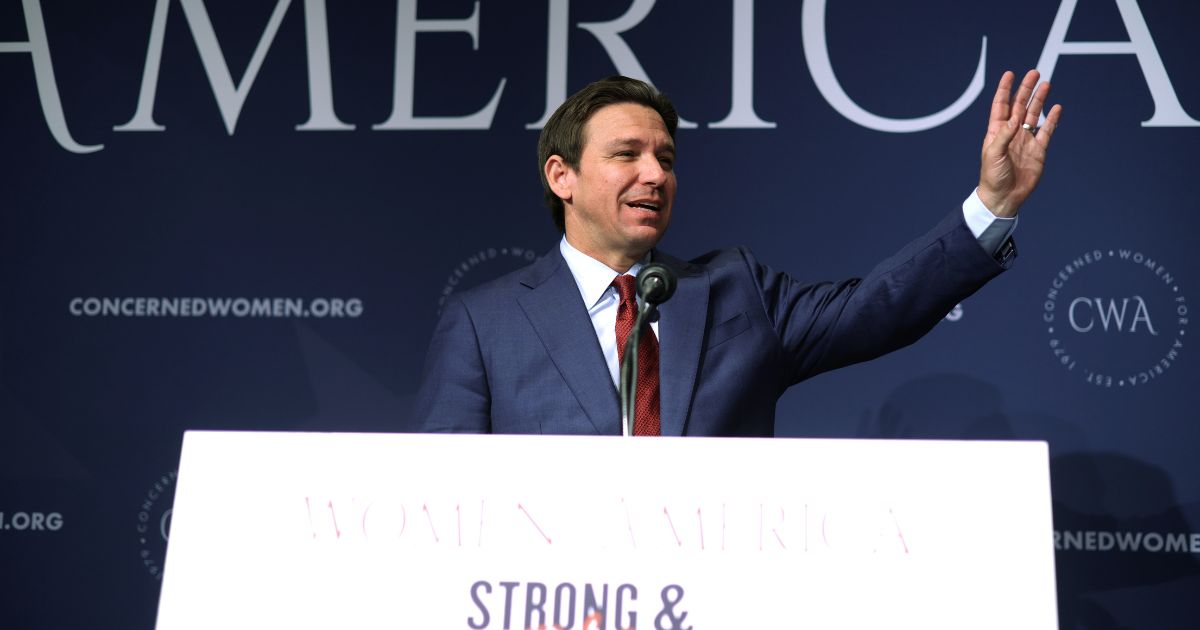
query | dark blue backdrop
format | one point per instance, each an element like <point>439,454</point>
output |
<point>209,191</point>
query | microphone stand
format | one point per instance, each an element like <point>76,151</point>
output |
<point>629,367</point>
<point>655,285</point>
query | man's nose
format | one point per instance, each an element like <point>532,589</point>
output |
<point>652,171</point>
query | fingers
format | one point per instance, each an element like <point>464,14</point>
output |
<point>1035,106</point>
<point>1047,130</point>
<point>1002,99</point>
<point>1010,111</point>
<point>1020,106</point>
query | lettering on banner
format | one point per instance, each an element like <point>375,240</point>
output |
<point>231,95</point>
<point>38,47</point>
<point>707,527</point>
<point>30,521</point>
<point>539,605</point>
<point>280,307</point>
<point>1167,110</point>
<point>816,53</point>
<point>1127,541</point>
<point>407,27</point>
<point>154,523</point>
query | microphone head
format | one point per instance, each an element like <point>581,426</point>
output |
<point>655,283</point>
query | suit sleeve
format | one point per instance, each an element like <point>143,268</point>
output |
<point>454,396</point>
<point>826,325</point>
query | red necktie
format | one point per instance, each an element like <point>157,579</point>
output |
<point>646,418</point>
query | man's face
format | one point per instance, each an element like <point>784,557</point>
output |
<point>619,201</point>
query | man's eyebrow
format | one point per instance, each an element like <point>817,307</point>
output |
<point>636,143</point>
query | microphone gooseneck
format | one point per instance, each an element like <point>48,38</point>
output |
<point>655,285</point>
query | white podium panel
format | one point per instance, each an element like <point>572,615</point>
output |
<point>365,531</point>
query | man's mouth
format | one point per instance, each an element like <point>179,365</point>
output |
<point>644,205</point>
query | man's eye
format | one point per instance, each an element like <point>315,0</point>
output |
<point>666,162</point>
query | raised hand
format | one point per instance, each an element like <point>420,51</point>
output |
<point>1014,155</point>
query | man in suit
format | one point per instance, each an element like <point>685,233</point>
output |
<point>536,351</point>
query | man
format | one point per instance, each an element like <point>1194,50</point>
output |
<point>536,351</point>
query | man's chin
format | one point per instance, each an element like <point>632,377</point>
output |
<point>644,238</point>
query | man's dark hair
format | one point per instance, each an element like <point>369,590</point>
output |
<point>563,133</point>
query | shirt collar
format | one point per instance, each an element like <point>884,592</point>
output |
<point>591,276</point>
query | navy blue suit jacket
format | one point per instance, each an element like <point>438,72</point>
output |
<point>520,355</point>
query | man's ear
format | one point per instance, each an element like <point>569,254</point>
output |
<point>561,177</point>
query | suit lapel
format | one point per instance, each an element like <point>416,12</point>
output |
<point>560,319</point>
<point>681,337</point>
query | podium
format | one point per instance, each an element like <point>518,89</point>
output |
<point>366,531</point>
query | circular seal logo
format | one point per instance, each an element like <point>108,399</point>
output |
<point>1116,317</point>
<point>513,258</point>
<point>154,523</point>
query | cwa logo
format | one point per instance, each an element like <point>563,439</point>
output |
<point>1115,317</point>
<point>154,523</point>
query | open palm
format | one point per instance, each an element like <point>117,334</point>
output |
<point>1014,156</point>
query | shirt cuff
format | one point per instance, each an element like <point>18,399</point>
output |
<point>990,230</point>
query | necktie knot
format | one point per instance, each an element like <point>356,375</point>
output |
<point>625,288</point>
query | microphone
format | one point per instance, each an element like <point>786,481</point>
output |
<point>655,285</point>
